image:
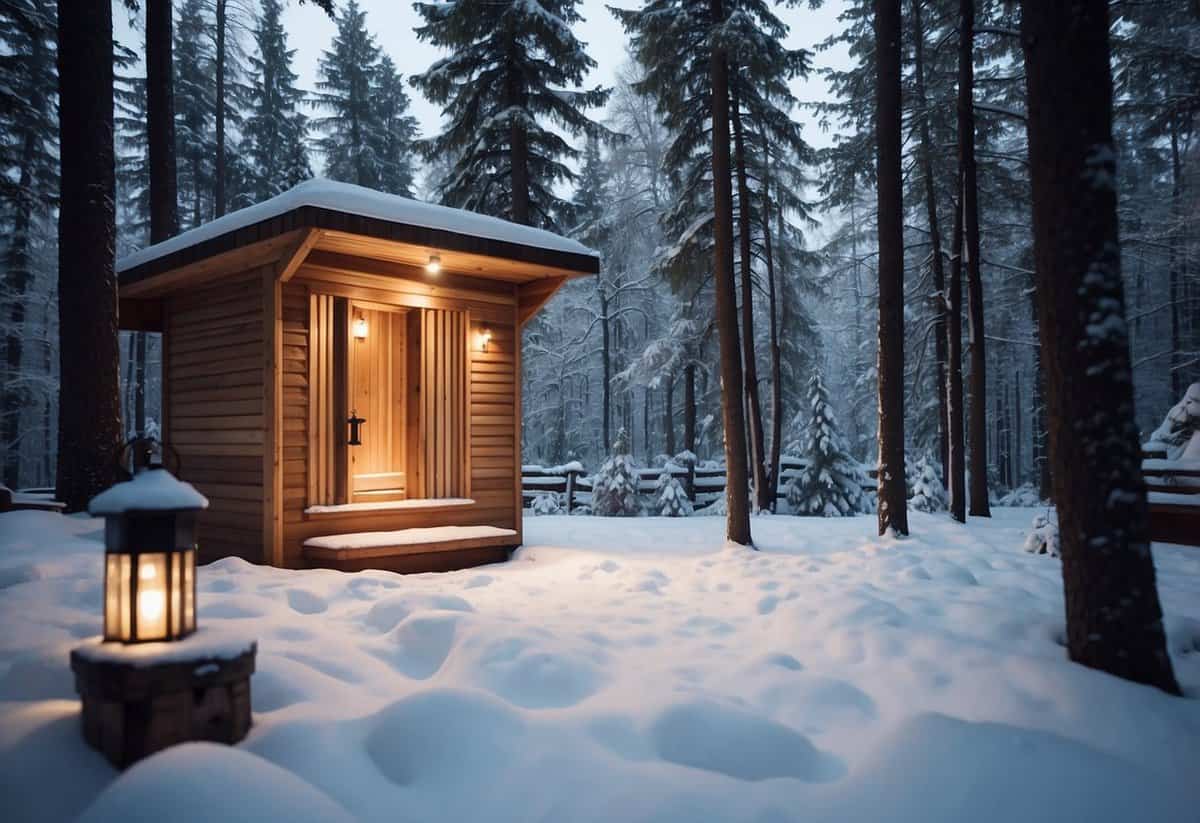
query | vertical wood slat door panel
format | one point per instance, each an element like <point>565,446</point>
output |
<point>443,408</point>
<point>326,398</point>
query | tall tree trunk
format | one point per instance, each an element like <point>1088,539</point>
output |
<point>957,474</point>
<point>1114,621</point>
<point>1178,384</point>
<point>219,160</point>
<point>737,519</point>
<point>1018,444</point>
<point>606,361</point>
<point>970,206</point>
<point>139,384</point>
<point>89,427</point>
<point>160,121</point>
<point>668,419</point>
<point>893,498</point>
<point>925,157</point>
<point>758,460</point>
<point>518,145</point>
<point>776,348</point>
<point>689,408</point>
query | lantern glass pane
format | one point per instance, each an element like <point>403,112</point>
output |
<point>152,596</point>
<point>116,597</point>
<point>176,610</point>
<point>188,587</point>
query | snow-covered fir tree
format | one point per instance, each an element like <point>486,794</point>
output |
<point>195,106</point>
<point>830,484</point>
<point>394,152</point>
<point>510,85</point>
<point>274,134</point>
<point>926,492</point>
<point>670,498</point>
<point>132,145</point>
<point>615,486</point>
<point>346,81</point>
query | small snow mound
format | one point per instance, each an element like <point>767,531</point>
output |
<point>535,677</point>
<point>204,781</point>
<point>744,746</point>
<point>386,614</point>
<point>440,735</point>
<point>425,640</point>
<point>306,602</point>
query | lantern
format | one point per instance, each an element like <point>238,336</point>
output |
<point>360,328</point>
<point>434,265</point>
<point>149,557</point>
<point>485,337</point>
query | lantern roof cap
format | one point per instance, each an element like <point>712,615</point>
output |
<point>151,490</point>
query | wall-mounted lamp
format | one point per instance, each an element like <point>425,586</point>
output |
<point>359,328</point>
<point>434,265</point>
<point>485,337</point>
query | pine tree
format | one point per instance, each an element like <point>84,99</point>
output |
<point>28,185</point>
<point>397,133</point>
<point>927,494</point>
<point>830,484</point>
<point>346,81</point>
<point>670,498</point>
<point>132,155</point>
<point>161,146</point>
<point>274,135</point>
<point>1114,619</point>
<point>195,106</point>
<point>512,77</point>
<point>615,487</point>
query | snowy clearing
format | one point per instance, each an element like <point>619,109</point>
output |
<point>628,670</point>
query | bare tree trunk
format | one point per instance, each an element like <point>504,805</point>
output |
<point>737,519</point>
<point>776,348</point>
<point>925,157</point>
<point>160,121</point>
<point>893,498</point>
<point>689,408</point>
<point>668,419</point>
<point>219,165</point>
<point>89,398</point>
<point>957,474</point>
<point>1178,384</point>
<point>1114,621</point>
<point>970,207</point>
<point>754,417</point>
<point>518,149</point>
<point>606,360</point>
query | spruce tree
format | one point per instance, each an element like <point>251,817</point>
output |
<point>353,126</point>
<point>397,132</point>
<point>927,494</point>
<point>274,135</point>
<point>195,106</point>
<point>670,498</point>
<point>830,484</point>
<point>615,486</point>
<point>512,80</point>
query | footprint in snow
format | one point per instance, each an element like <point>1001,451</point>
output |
<point>306,602</point>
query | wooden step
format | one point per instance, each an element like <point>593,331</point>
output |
<point>441,548</point>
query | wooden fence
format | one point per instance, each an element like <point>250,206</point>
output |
<point>704,485</point>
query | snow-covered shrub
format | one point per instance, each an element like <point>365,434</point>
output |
<point>545,503</point>
<point>1024,496</point>
<point>717,508</point>
<point>615,486</point>
<point>830,484</point>
<point>670,498</point>
<point>1043,536</point>
<point>927,494</point>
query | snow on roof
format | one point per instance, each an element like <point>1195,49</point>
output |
<point>364,202</point>
<point>149,491</point>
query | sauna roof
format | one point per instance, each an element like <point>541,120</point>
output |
<point>354,219</point>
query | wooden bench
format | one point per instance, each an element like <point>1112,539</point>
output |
<point>40,501</point>
<point>441,548</point>
<point>1173,488</point>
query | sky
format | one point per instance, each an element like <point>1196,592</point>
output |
<point>392,21</point>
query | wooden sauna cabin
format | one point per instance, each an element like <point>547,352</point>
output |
<point>342,374</point>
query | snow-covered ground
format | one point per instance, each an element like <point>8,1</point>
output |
<point>628,670</point>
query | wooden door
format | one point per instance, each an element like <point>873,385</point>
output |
<point>376,367</point>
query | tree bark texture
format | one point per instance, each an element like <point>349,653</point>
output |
<point>737,519</point>
<point>219,160</point>
<point>89,399</point>
<point>956,480</point>
<point>776,348</point>
<point>160,121</point>
<point>977,422</point>
<point>893,498</point>
<point>1114,621</point>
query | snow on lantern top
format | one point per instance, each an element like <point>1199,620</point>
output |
<point>152,490</point>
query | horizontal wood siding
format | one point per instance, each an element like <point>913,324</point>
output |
<point>494,459</point>
<point>215,408</point>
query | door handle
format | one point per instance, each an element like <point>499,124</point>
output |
<point>355,425</point>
